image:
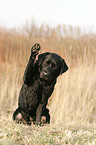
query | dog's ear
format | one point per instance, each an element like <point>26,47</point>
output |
<point>41,57</point>
<point>64,67</point>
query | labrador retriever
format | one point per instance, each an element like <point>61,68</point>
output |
<point>39,80</point>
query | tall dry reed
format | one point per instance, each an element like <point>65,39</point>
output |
<point>74,97</point>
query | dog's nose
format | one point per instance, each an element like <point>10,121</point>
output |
<point>45,73</point>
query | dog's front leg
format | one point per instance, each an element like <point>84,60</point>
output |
<point>42,104</point>
<point>29,71</point>
<point>38,114</point>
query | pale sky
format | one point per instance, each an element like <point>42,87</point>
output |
<point>15,13</point>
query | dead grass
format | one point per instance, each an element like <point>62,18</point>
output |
<point>74,97</point>
<point>73,101</point>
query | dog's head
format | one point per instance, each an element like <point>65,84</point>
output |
<point>51,66</point>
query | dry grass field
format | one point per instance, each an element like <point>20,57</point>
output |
<point>74,99</point>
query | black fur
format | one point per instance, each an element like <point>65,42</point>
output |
<point>39,81</point>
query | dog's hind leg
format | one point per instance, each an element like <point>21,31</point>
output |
<point>17,116</point>
<point>21,117</point>
<point>45,119</point>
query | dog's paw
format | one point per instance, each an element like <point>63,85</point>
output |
<point>43,120</point>
<point>38,123</point>
<point>35,48</point>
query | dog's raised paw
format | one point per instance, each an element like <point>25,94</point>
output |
<point>35,48</point>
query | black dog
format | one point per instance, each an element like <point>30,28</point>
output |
<point>39,81</point>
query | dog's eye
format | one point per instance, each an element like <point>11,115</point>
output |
<point>53,65</point>
<point>47,62</point>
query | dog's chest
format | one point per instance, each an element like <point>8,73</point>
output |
<point>35,87</point>
<point>36,92</point>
